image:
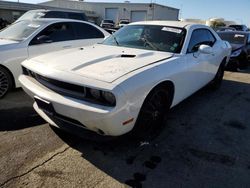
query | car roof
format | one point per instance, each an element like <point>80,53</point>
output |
<point>235,32</point>
<point>49,20</point>
<point>237,25</point>
<point>226,27</point>
<point>167,23</point>
<point>56,10</point>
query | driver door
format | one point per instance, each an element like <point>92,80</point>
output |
<point>57,36</point>
<point>200,66</point>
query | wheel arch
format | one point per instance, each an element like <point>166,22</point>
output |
<point>12,77</point>
<point>224,60</point>
<point>168,84</point>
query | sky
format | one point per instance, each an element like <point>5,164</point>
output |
<point>202,9</point>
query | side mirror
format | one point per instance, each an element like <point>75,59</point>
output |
<point>44,39</point>
<point>205,49</point>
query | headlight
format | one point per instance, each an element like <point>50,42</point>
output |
<point>109,97</point>
<point>95,93</point>
<point>236,53</point>
<point>101,97</point>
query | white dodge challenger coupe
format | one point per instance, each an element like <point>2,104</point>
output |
<point>29,38</point>
<point>129,81</point>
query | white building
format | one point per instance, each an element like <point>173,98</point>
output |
<point>117,11</point>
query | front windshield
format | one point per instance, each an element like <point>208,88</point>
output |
<point>20,30</point>
<point>30,15</point>
<point>233,38</point>
<point>149,37</point>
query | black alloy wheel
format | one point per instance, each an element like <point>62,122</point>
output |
<point>152,114</point>
<point>5,82</point>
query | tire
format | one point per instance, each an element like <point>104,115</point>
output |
<point>216,82</point>
<point>6,82</point>
<point>233,66</point>
<point>152,114</point>
<point>243,61</point>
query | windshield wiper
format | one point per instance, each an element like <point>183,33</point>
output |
<point>115,39</point>
<point>150,44</point>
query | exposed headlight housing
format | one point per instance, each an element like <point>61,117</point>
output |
<point>236,53</point>
<point>101,97</point>
<point>95,93</point>
<point>109,97</point>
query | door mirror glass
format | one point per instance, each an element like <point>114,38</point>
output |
<point>205,49</point>
<point>44,39</point>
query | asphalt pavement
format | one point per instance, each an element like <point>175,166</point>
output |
<point>205,143</point>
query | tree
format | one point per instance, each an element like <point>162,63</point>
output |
<point>216,24</point>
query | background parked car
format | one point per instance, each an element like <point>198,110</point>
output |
<point>123,23</point>
<point>3,23</point>
<point>240,42</point>
<point>35,14</point>
<point>110,30</point>
<point>29,38</point>
<point>240,27</point>
<point>225,29</point>
<point>107,24</point>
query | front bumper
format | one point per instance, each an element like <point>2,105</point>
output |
<point>78,113</point>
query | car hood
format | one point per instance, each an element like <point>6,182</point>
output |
<point>236,46</point>
<point>101,62</point>
<point>7,44</point>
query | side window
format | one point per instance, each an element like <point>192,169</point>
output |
<point>57,32</point>
<point>86,31</point>
<point>212,38</point>
<point>199,37</point>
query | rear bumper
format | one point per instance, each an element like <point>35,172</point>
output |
<point>77,113</point>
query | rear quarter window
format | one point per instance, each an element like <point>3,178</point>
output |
<point>87,31</point>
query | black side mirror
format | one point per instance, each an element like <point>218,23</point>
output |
<point>44,39</point>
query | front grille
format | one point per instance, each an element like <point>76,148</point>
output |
<point>66,89</point>
<point>60,87</point>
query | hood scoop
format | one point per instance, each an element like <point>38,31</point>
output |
<point>127,56</point>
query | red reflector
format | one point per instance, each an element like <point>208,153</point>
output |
<point>128,121</point>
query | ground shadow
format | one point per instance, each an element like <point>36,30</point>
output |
<point>19,118</point>
<point>204,143</point>
<point>16,112</point>
<point>244,71</point>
